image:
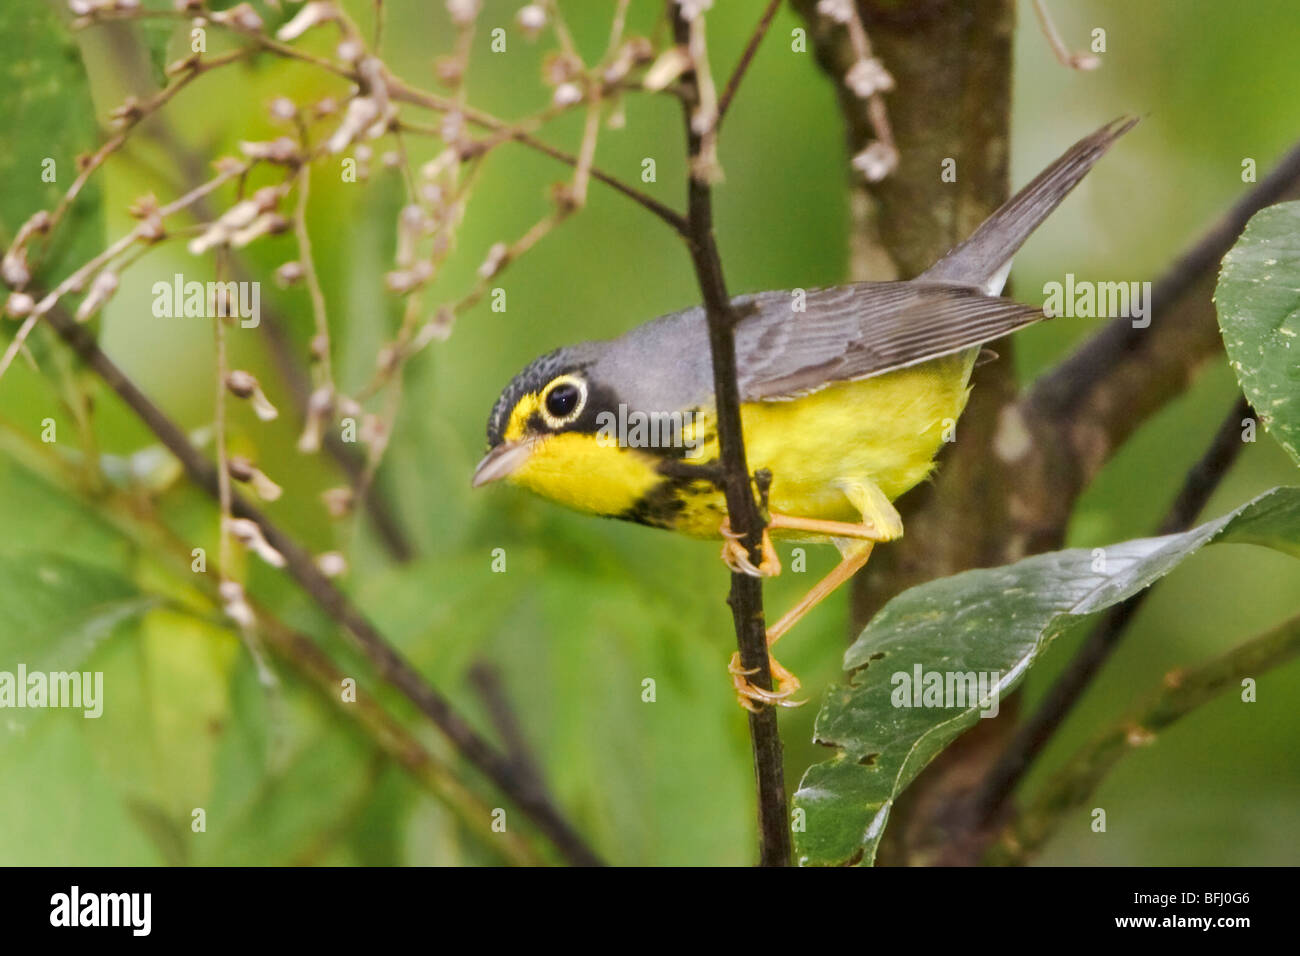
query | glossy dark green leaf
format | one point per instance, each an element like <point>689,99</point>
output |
<point>994,621</point>
<point>1258,298</point>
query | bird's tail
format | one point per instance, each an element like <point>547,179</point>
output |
<point>985,256</point>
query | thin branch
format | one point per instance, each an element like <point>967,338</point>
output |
<point>1033,735</point>
<point>132,517</point>
<point>746,57</point>
<point>191,168</point>
<point>746,597</point>
<point>321,347</point>
<point>1064,55</point>
<point>486,681</point>
<point>1182,692</point>
<point>507,133</point>
<point>389,663</point>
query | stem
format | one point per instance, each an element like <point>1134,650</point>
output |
<point>139,524</point>
<point>746,596</point>
<point>746,58</point>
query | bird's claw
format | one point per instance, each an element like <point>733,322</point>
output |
<point>753,698</point>
<point>736,556</point>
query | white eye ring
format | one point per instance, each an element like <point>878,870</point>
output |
<point>551,420</point>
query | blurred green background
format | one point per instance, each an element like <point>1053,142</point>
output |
<point>589,609</point>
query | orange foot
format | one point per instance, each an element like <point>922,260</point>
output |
<point>736,556</point>
<point>753,698</point>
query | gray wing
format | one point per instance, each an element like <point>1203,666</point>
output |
<point>856,331</point>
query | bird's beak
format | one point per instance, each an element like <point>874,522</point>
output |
<point>503,460</point>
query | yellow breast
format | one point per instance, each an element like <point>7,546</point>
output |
<point>885,429</point>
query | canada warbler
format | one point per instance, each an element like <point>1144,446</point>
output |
<point>846,395</point>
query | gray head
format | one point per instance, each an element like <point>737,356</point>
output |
<point>553,394</point>
<point>559,381</point>
<point>659,367</point>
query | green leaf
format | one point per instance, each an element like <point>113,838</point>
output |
<point>49,118</point>
<point>995,621</point>
<point>54,611</point>
<point>1258,298</point>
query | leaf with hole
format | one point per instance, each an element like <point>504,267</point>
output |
<point>993,622</point>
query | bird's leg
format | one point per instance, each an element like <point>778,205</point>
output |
<point>852,562</point>
<point>881,522</point>
<point>736,556</point>
<point>786,683</point>
<point>880,519</point>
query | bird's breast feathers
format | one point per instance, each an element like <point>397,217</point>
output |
<point>885,430</point>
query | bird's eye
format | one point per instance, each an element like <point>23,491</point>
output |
<point>564,401</point>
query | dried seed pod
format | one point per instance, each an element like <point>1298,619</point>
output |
<point>241,17</point>
<point>249,534</point>
<point>319,407</point>
<point>101,290</point>
<point>235,605</point>
<point>362,111</point>
<point>671,64</point>
<point>531,19</point>
<point>841,11</point>
<point>267,224</point>
<point>13,268</point>
<point>289,273</point>
<point>243,385</point>
<point>338,501</point>
<point>464,12</point>
<point>282,108</point>
<point>243,470</point>
<point>350,50</point>
<point>311,15</point>
<point>868,77</point>
<point>19,305</point>
<point>567,94</point>
<point>332,564</point>
<point>876,161</point>
<point>283,151</point>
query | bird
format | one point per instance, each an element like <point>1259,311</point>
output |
<point>847,394</point>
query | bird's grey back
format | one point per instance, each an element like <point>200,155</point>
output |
<point>788,345</point>
<point>791,343</point>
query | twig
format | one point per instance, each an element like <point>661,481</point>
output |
<point>133,518</point>
<point>390,664</point>
<point>746,597</point>
<point>746,57</point>
<point>1066,57</point>
<point>321,347</point>
<point>507,133</point>
<point>163,132</point>
<point>1183,692</point>
<point>1033,735</point>
<point>486,681</point>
